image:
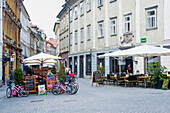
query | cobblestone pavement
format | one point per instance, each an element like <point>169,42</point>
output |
<point>107,99</point>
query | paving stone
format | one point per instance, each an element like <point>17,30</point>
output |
<point>107,99</point>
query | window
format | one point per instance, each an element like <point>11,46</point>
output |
<point>100,3</point>
<point>113,26</point>
<point>88,32</point>
<point>100,29</point>
<point>127,23</point>
<point>75,37</point>
<point>88,6</point>
<point>151,18</point>
<point>71,16</point>
<point>70,38</point>
<point>81,9</point>
<point>75,13</point>
<point>82,34</point>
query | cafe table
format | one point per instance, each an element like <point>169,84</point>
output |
<point>144,77</point>
<point>125,77</point>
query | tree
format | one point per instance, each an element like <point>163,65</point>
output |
<point>18,76</point>
<point>62,73</point>
<point>54,70</point>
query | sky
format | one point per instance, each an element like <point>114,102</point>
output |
<point>43,13</point>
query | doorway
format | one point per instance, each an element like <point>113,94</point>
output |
<point>81,67</point>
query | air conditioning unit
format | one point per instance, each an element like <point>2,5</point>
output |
<point>4,3</point>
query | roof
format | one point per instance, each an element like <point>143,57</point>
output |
<point>57,22</point>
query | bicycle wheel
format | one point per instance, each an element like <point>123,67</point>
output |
<point>75,89</point>
<point>8,92</point>
<point>24,93</point>
<point>56,90</point>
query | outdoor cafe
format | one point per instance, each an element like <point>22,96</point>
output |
<point>155,75</point>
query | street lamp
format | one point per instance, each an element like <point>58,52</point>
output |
<point>6,53</point>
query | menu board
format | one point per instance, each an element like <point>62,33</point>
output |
<point>49,82</point>
<point>97,78</point>
<point>30,83</point>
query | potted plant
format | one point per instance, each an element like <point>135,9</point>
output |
<point>18,76</point>
<point>100,68</point>
<point>29,71</point>
<point>53,70</point>
<point>158,74</point>
<point>62,73</point>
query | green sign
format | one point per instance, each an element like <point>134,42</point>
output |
<point>143,40</point>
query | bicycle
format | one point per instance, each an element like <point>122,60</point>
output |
<point>18,90</point>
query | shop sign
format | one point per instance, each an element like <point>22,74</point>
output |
<point>143,40</point>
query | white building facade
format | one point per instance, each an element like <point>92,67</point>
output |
<point>103,26</point>
<point>25,35</point>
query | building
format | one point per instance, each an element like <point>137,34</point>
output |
<point>25,35</point>
<point>103,26</point>
<point>64,35</point>
<point>11,34</point>
<point>51,46</point>
<point>56,30</point>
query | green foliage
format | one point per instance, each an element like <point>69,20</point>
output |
<point>157,69</point>
<point>62,73</point>
<point>100,69</point>
<point>18,76</point>
<point>29,71</point>
<point>165,84</point>
<point>54,70</point>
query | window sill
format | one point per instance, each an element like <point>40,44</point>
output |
<point>88,11</point>
<point>113,1</point>
<point>88,39</point>
<point>100,6</point>
<point>114,35</point>
<point>127,33</point>
<point>101,37</point>
<point>82,41</point>
<point>70,44</point>
<point>75,43</point>
<point>81,15</point>
<point>154,28</point>
<point>70,21</point>
<point>76,18</point>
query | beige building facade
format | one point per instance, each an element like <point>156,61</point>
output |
<point>102,26</point>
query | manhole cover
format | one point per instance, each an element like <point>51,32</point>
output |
<point>69,100</point>
<point>37,101</point>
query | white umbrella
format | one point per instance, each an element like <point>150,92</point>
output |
<point>139,51</point>
<point>41,59</point>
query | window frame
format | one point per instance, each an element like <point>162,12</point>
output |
<point>75,12</point>
<point>88,6</point>
<point>101,34</point>
<point>75,37</point>
<point>81,9</point>
<point>114,32</point>
<point>100,3</point>
<point>88,32</point>
<point>82,35</point>
<point>126,23</point>
<point>71,38</point>
<point>147,17</point>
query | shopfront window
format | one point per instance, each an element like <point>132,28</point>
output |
<point>75,65</point>
<point>88,65</point>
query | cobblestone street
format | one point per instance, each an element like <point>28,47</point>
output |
<point>107,99</point>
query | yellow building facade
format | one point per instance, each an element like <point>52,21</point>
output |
<point>11,34</point>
